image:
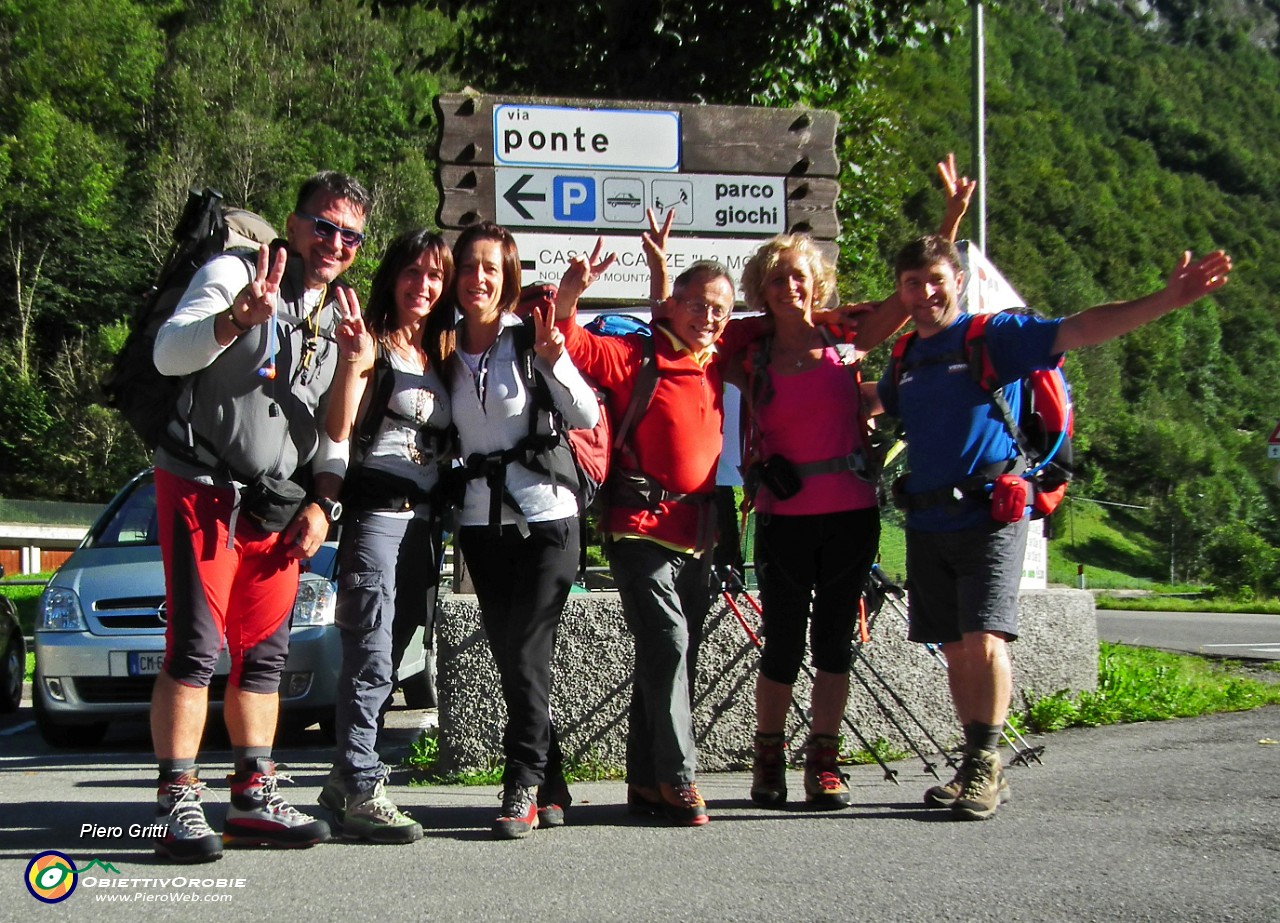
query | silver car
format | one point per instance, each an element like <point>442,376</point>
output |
<point>99,635</point>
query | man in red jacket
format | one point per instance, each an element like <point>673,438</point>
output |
<point>660,520</point>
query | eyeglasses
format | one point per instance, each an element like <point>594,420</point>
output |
<point>700,308</point>
<point>326,229</point>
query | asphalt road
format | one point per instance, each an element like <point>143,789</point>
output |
<point>1164,822</point>
<point>1173,821</point>
<point>1243,635</point>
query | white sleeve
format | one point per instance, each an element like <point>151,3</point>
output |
<point>185,342</point>
<point>570,392</point>
<point>331,457</point>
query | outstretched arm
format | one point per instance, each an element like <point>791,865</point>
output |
<point>1188,283</point>
<point>867,324</point>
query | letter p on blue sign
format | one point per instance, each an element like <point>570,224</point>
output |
<point>573,198</point>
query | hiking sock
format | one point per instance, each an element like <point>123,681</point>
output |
<point>171,769</point>
<point>983,736</point>
<point>245,759</point>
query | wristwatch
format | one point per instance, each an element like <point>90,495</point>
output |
<point>332,509</point>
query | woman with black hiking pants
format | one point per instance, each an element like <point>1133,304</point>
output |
<point>817,521</point>
<point>518,529</point>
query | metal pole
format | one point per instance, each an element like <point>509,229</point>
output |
<point>980,123</point>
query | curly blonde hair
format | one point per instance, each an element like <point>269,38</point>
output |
<point>765,259</point>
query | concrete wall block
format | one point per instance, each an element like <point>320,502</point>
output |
<point>594,654</point>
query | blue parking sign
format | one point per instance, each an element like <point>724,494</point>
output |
<point>573,198</point>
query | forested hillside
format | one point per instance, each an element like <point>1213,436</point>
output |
<point>1119,133</point>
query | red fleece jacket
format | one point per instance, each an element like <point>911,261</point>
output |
<point>677,440</point>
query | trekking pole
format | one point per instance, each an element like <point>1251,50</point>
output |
<point>877,604</point>
<point>755,642</point>
<point>1023,751</point>
<point>1028,752</point>
<point>929,766</point>
<point>731,580</point>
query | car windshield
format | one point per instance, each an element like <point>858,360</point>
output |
<point>131,520</point>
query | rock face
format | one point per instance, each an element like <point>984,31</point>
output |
<point>1257,19</point>
<point>1058,649</point>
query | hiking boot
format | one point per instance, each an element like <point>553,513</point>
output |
<point>643,800</point>
<point>553,800</point>
<point>259,815</point>
<point>333,796</point>
<point>769,771</point>
<point>984,788</point>
<point>824,783</point>
<point>682,804</point>
<point>519,816</point>
<point>944,796</point>
<point>188,836</point>
<point>373,817</point>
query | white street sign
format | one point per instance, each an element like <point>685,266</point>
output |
<point>702,203</point>
<point>546,257</point>
<point>558,136</point>
<point>1273,443</point>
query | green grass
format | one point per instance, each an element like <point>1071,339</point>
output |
<point>1179,604</point>
<point>879,748</point>
<point>1138,684</point>
<point>25,600</point>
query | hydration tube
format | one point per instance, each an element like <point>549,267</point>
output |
<point>268,369</point>
<point>1062,435</point>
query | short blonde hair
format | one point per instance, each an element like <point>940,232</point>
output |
<point>765,259</point>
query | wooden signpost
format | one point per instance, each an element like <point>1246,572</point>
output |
<point>560,172</point>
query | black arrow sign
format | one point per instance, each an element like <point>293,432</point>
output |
<point>515,196</point>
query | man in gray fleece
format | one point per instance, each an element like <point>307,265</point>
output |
<point>254,343</point>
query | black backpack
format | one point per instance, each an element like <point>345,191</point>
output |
<point>133,385</point>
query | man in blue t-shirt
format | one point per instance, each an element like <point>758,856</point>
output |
<point>964,566</point>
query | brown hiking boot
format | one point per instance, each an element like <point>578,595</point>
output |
<point>945,795</point>
<point>824,783</point>
<point>984,788</point>
<point>683,804</point>
<point>769,771</point>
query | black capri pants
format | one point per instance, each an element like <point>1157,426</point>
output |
<point>812,570</point>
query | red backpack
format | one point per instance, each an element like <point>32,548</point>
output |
<point>592,449</point>
<point>1042,425</point>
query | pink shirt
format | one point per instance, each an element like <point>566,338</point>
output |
<point>813,416</point>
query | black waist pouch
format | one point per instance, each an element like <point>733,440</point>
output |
<point>271,502</point>
<point>781,477</point>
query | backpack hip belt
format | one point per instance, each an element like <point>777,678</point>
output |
<point>492,466</point>
<point>637,490</point>
<point>974,489</point>
<point>856,462</point>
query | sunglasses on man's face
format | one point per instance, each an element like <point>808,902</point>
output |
<point>326,229</point>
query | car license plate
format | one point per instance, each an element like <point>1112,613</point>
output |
<point>145,663</point>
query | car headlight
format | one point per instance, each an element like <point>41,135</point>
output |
<point>60,610</point>
<point>314,604</point>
